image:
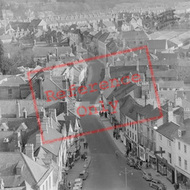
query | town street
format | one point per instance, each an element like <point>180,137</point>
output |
<point>106,172</point>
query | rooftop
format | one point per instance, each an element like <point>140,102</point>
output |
<point>168,130</point>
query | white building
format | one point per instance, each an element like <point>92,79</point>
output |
<point>182,155</point>
<point>165,142</point>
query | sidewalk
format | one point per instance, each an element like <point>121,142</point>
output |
<point>79,165</point>
<point>122,149</point>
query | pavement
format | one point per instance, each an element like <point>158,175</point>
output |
<point>122,150</point>
<point>79,165</point>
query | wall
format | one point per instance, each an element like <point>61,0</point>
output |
<point>8,107</point>
<point>169,148</point>
<point>183,155</point>
<point>4,93</point>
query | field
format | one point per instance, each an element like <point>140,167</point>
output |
<point>69,6</point>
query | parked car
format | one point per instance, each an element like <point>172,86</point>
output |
<point>137,166</point>
<point>76,188</point>
<point>147,176</point>
<point>78,182</point>
<point>131,162</point>
<point>83,175</point>
<point>157,184</point>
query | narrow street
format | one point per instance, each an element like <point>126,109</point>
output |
<point>106,171</point>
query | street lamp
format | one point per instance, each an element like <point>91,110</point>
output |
<point>125,175</point>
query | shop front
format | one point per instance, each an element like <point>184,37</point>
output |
<point>170,173</point>
<point>134,148</point>
<point>127,143</point>
<point>152,160</point>
<point>183,179</point>
<point>142,153</point>
<point>161,165</point>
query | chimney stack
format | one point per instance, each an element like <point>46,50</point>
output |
<point>53,114</point>
<point>44,126</point>
<point>24,112</point>
<point>38,141</point>
<point>29,150</point>
<point>170,112</point>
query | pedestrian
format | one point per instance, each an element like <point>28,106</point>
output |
<point>105,114</point>
<point>69,185</point>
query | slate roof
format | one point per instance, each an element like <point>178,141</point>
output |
<point>97,35</point>
<point>184,94</point>
<point>134,35</point>
<point>35,22</point>
<point>42,51</point>
<point>117,71</point>
<point>32,172</point>
<point>51,134</point>
<point>168,129</point>
<point>157,44</point>
<point>167,73</point>
<point>122,90</point>
<point>128,107</point>
<point>13,81</point>
<point>104,36</point>
<point>112,46</point>
<point>20,25</point>
<point>171,84</point>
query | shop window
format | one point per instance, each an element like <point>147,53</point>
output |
<point>179,146</point>
<point>185,164</point>
<point>185,148</point>
<point>179,159</point>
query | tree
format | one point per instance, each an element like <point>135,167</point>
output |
<point>1,54</point>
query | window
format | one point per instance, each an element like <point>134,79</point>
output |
<point>179,146</point>
<point>135,127</point>
<point>169,143</point>
<point>10,93</point>
<point>133,136</point>
<point>185,148</point>
<point>185,164</point>
<point>179,161</point>
<point>160,137</point>
<point>169,158</point>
